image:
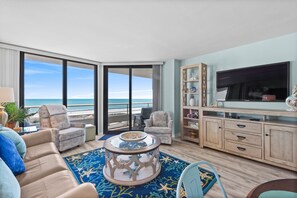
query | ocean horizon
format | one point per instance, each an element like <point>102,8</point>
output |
<point>114,103</point>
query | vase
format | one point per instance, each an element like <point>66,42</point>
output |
<point>11,125</point>
<point>192,102</point>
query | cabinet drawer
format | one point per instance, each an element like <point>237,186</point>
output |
<point>243,126</point>
<point>243,137</point>
<point>243,149</point>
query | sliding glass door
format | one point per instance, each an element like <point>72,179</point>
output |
<point>118,99</point>
<point>128,95</point>
<point>48,80</point>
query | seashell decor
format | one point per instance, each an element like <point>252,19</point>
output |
<point>291,101</point>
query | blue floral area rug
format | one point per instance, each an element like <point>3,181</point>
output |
<point>88,167</point>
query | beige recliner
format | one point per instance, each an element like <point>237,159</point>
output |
<point>67,134</point>
<point>160,125</point>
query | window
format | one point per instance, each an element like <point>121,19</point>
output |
<point>48,80</point>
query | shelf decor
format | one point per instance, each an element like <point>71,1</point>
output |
<point>291,101</point>
<point>193,97</point>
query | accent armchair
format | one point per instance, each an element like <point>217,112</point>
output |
<point>66,134</point>
<point>160,125</point>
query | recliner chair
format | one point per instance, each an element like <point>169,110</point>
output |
<point>67,134</point>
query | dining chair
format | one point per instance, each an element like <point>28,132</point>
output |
<point>191,181</point>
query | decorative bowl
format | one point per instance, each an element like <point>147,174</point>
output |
<point>133,136</point>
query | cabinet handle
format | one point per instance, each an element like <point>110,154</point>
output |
<point>266,134</point>
<point>220,127</point>
<point>241,137</point>
<point>241,149</point>
<point>241,125</point>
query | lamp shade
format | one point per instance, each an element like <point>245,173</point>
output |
<point>6,94</point>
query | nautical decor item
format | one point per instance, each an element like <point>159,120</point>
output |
<point>192,101</point>
<point>291,101</point>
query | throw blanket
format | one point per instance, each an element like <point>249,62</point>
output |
<point>56,109</point>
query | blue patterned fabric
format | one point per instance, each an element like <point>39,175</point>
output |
<point>88,167</point>
<point>10,155</point>
<point>16,138</point>
<point>9,186</point>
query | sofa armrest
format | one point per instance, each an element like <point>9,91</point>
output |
<point>86,190</point>
<point>148,123</point>
<point>40,137</point>
<point>170,124</point>
<point>77,125</point>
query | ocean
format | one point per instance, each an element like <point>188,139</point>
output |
<point>88,103</point>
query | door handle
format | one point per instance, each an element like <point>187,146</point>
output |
<point>240,137</point>
<point>241,125</point>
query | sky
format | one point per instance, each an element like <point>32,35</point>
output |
<point>44,81</point>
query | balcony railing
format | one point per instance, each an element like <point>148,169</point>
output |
<point>117,113</point>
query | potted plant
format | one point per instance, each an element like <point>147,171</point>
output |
<point>16,114</point>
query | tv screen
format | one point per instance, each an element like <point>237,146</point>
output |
<point>257,83</point>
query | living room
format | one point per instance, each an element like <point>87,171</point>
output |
<point>120,99</point>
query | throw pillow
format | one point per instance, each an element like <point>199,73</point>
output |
<point>60,121</point>
<point>10,156</point>
<point>17,140</point>
<point>160,119</point>
<point>9,186</point>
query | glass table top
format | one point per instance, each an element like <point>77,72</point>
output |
<point>125,145</point>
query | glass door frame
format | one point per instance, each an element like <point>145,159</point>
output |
<point>64,82</point>
<point>105,94</point>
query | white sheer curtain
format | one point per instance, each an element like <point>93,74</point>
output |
<point>10,70</point>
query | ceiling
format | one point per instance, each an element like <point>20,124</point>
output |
<point>142,30</point>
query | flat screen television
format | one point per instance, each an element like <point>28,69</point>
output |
<point>257,83</point>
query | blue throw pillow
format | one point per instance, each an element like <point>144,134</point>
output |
<point>16,138</point>
<point>9,186</point>
<point>10,155</point>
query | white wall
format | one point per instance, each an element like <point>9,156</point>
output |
<point>274,50</point>
<point>170,91</point>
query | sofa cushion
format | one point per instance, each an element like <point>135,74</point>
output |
<point>40,150</point>
<point>159,119</point>
<point>10,155</point>
<point>50,186</point>
<point>16,139</point>
<point>60,121</point>
<point>70,133</point>
<point>41,167</point>
<point>153,130</point>
<point>9,186</point>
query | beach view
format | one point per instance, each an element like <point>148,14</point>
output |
<point>44,79</point>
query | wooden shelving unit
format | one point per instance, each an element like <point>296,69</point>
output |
<point>193,88</point>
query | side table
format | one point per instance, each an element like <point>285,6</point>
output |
<point>26,130</point>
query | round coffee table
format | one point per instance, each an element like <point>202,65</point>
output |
<point>131,163</point>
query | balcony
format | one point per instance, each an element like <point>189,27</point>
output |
<point>118,114</point>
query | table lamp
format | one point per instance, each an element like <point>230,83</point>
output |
<point>6,96</point>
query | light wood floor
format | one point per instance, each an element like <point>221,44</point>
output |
<point>238,175</point>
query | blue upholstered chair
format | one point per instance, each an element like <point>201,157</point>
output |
<point>191,181</point>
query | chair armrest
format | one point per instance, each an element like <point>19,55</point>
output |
<point>148,123</point>
<point>77,125</point>
<point>170,124</point>
<point>86,190</point>
<point>37,138</point>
